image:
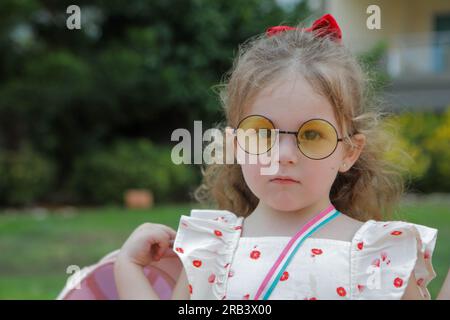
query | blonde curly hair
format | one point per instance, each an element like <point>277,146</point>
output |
<point>373,186</point>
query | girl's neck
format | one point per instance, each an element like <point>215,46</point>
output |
<point>266,221</point>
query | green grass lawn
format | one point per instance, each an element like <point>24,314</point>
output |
<point>36,249</point>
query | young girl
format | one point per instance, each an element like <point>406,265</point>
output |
<point>312,230</point>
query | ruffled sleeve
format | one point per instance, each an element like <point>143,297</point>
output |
<point>384,255</point>
<point>205,243</point>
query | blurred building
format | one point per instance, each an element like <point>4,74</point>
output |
<point>417,34</point>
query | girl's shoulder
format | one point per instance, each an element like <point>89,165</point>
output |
<point>204,225</point>
<point>374,232</point>
<point>386,254</point>
<point>205,243</point>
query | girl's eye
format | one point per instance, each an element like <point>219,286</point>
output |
<point>310,135</point>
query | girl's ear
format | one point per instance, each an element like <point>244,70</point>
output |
<point>353,152</point>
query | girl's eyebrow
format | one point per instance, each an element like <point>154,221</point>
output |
<point>298,126</point>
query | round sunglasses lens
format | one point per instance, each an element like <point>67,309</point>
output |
<point>317,139</point>
<point>254,134</point>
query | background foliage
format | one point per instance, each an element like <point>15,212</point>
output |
<point>136,70</point>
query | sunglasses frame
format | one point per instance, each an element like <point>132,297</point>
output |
<point>296,133</point>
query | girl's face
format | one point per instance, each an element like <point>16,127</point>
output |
<point>289,104</point>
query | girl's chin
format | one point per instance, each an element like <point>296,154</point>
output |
<point>285,208</point>
<point>284,203</point>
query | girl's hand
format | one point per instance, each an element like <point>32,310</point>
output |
<point>148,242</point>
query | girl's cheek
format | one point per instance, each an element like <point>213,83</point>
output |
<point>252,177</point>
<point>251,172</point>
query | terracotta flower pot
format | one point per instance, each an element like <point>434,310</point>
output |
<point>138,199</point>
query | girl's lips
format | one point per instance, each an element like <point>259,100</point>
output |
<point>284,180</point>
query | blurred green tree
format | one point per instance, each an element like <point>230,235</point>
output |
<point>135,69</point>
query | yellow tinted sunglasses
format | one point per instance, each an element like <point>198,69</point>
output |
<point>316,138</point>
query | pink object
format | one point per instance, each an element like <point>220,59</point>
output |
<point>96,282</point>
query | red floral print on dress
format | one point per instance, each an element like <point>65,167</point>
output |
<point>230,273</point>
<point>190,288</point>
<point>222,218</point>
<point>341,291</point>
<point>284,276</point>
<point>360,245</point>
<point>246,297</point>
<point>396,233</point>
<point>360,287</point>
<point>255,254</point>
<point>385,258</point>
<point>197,263</point>
<point>180,250</point>
<point>316,251</point>
<point>398,282</point>
<point>376,262</point>
<point>212,278</point>
<point>218,233</point>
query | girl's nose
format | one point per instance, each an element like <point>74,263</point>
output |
<point>288,150</point>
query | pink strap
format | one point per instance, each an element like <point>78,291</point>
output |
<point>283,254</point>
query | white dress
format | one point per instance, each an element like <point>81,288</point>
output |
<point>376,264</point>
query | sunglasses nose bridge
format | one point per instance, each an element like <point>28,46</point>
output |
<point>288,150</point>
<point>287,132</point>
<point>280,132</point>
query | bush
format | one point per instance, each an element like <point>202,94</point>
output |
<point>407,149</point>
<point>102,177</point>
<point>25,176</point>
<point>438,143</point>
<point>425,137</point>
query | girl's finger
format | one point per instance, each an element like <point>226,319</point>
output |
<point>169,253</point>
<point>162,247</point>
<point>169,229</point>
<point>172,233</point>
<point>163,243</point>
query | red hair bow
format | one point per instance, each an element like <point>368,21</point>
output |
<point>322,27</point>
